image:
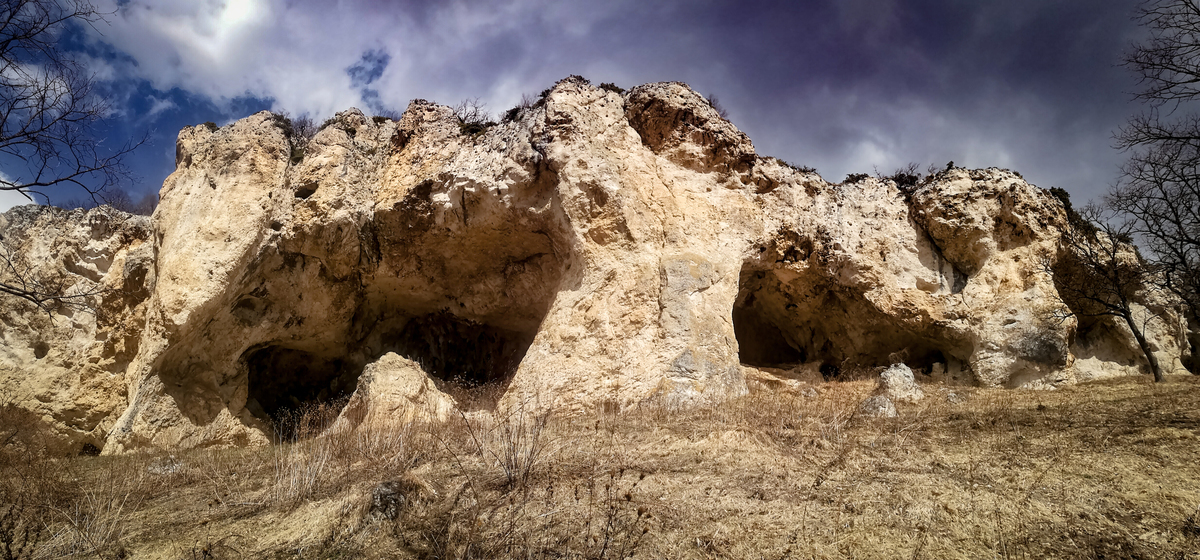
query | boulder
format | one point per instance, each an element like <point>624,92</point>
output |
<point>878,406</point>
<point>396,389</point>
<point>898,384</point>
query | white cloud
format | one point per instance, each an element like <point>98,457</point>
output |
<point>840,119</point>
<point>159,105</point>
<point>8,199</point>
<point>297,52</point>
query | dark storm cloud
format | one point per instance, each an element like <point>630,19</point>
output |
<point>844,86</point>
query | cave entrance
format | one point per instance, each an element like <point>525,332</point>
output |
<point>786,317</point>
<point>761,343</point>
<point>461,351</point>
<point>299,393</point>
<point>286,384</point>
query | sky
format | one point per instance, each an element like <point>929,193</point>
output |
<point>844,86</point>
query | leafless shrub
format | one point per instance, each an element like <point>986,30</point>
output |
<point>95,524</point>
<point>587,508</point>
<point>473,118</point>
<point>514,441</point>
<point>716,105</point>
<point>21,526</point>
<point>527,102</point>
<point>385,115</point>
<point>609,86</point>
<point>299,132</point>
<point>798,168</point>
<point>853,178</point>
<point>907,178</point>
<point>303,460</point>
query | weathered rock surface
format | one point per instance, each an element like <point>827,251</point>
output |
<point>878,406</point>
<point>67,365</point>
<point>396,389</point>
<point>599,249</point>
<point>898,384</point>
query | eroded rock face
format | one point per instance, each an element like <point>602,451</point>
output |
<point>67,364</point>
<point>395,389</point>
<point>596,250</point>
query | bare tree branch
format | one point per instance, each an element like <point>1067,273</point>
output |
<point>1158,194</point>
<point>1099,273</point>
<point>49,106</point>
<point>49,112</point>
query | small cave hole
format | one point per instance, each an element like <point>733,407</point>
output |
<point>922,360</point>
<point>306,191</point>
<point>298,392</point>
<point>843,336</point>
<point>40,350</point>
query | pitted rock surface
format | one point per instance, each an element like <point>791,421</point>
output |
<point>597,250</point>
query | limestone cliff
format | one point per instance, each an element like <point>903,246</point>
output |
<point>67,364</point>
<point>595,249</point>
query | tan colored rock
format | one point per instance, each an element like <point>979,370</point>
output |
<point>898,384</point>
<point>878,406</point>
<point>596,250</point>
<point>398,390</point>
<point>68,364</point>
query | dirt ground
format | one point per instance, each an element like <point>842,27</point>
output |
<point>1101,470</point>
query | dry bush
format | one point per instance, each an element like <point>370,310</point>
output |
<point>473,117</point>
<point>94,523</point>
<point>301,469</point>
<point>514,440</point>
<point>32,483</point>
<point>318,457</point>
<point>304,459</point>
<point>61,506</point>
<point>515,492</point>
<point>22,525</point>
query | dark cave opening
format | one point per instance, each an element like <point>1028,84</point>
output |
<point>285,381</point>
<point>761,343</point>
<point>782,324</point>
<point>462,351</point>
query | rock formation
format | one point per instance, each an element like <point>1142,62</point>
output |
<point>67,365</point>
<point>898,384</point>
<point>594,249</point>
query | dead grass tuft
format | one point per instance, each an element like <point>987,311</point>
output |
<point>1101,470</point>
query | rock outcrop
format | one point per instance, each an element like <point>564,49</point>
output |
<point>594,249</point>
<point>66,364</point>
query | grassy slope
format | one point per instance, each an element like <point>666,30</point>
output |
<point>1101,470</point>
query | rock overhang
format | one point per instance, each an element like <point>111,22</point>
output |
<point>596,249</point>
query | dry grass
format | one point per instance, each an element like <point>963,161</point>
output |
<point>1105,470</point>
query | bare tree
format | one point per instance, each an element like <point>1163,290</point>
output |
<point>1098,273</point>
<point>715,103</point>
<point>49,106</point>
<point>473,117</point>
<point>1159,191</point>
<point>47,291</point>
<point>49,113</point>
<point>1160,197</point>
